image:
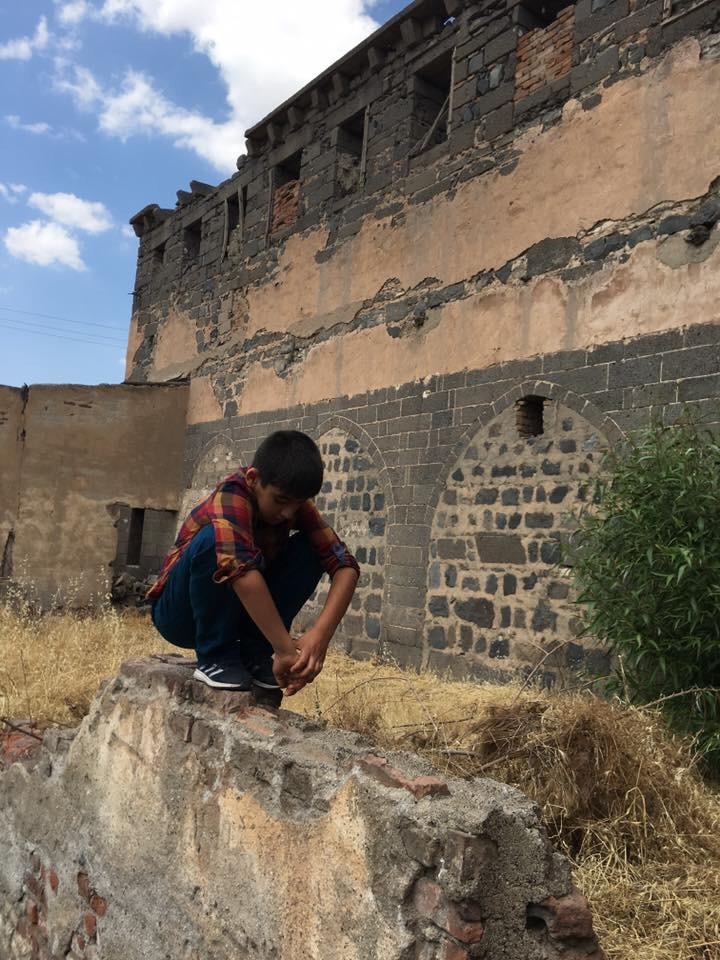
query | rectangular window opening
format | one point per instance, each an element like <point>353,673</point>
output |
<point>243,209</point>
<point>135,535</point>
<point>351,154</point>
<point>192,238</point>
<point>538,14</point>
<point>233,212</point>
<point>158,255</point>
<point>432,103</point>
<point>288,170</point>
<point>286,193</point>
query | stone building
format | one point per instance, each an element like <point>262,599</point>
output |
<point>465,258</point>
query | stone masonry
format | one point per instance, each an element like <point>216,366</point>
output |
<point>178,822</point>
<point>467,258</point>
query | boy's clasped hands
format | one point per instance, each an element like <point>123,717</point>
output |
<point>295,670</point>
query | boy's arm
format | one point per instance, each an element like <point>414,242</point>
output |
<point>314,642</point>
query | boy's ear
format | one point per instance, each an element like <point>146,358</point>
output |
<point>252,477</point>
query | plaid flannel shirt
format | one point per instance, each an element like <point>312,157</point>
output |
<point>242,544</point>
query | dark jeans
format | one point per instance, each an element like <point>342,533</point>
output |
<point>195,612</point>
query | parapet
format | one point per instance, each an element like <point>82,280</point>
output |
<point>182,822</point>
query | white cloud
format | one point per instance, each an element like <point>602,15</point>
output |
<point>11,191</point>
<point>44,244</point>
<point>16,123</point>
<point>23,48</point>
<point>72,211</point>
<point>73,12</point>
<point>263,54</point>
<point>43,129</point>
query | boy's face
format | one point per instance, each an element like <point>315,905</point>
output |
<point>275,506</point>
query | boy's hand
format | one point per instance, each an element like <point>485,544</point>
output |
<point>312,648</point>
<point>281,667</point>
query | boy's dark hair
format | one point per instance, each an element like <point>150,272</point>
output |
<point>291,461</point>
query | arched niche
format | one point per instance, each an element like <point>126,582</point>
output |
<point>353,501</point>
<point>217,461</point>
<point>496,596</point>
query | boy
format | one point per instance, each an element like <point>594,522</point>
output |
<point>235,579</point>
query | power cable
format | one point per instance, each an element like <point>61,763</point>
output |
<point>49,316</point>
<point>30,324</point>
<point>57,336</point>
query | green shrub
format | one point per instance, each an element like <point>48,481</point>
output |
<point>646,560</point>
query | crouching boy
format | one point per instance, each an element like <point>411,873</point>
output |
<point>245,562</point>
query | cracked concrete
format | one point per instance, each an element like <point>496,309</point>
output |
<point>187,823</point>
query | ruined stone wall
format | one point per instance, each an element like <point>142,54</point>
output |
<point>87,452</point>
<point>12,402</point>
<point>483,203</point>
<point>542,220</point>
<point>193,824</point>
<point>457,516</point>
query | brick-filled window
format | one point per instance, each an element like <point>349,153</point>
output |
<point>286,193</point>
<point>544,52</point>
<point>192,239</point>
<point>135,536</point>
<point>351,143</point>
<point>530,416</point>
<point>432,104</point>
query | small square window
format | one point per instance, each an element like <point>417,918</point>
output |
<point>192,238</point>
<point>351,141</point>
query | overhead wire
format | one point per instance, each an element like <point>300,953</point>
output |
<point>38,324</point>
<point>50,316</point>
<point>4,324</point>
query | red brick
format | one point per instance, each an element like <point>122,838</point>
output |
<point>90,924</point>
<point>83,885</point>
<point>463,930</point>
<point>32,912</point>
<point>420,787</point>
<point>571,918</point>
<point>78,942</point>
<point>98,904</point>
<point>54,881</point>
<point>429,900</point>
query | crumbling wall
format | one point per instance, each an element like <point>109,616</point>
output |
<point>87,452</point>
<point>491,201</point>
<point>187,823</point>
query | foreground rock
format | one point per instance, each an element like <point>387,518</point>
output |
<point>186,824</point>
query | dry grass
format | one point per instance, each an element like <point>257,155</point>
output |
<point>617,793</point>
<point>51,666</point>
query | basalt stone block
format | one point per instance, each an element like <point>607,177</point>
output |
<point>476,610</point>
<point>500,548</point>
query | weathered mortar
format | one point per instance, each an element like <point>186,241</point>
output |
<point>184,823</point>
<point>546,236</point>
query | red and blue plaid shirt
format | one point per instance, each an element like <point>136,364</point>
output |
<point>243,542</point>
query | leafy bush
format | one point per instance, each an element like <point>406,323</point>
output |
<point>646,559</point>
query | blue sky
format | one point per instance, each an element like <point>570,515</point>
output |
<point>108,105</point>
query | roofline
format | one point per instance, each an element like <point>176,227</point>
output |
<point>374,40</point>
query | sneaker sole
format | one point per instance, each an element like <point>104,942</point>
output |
<point>265,685</point>
<point>199,675</point>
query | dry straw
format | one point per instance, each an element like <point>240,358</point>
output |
<point>618,793</point>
